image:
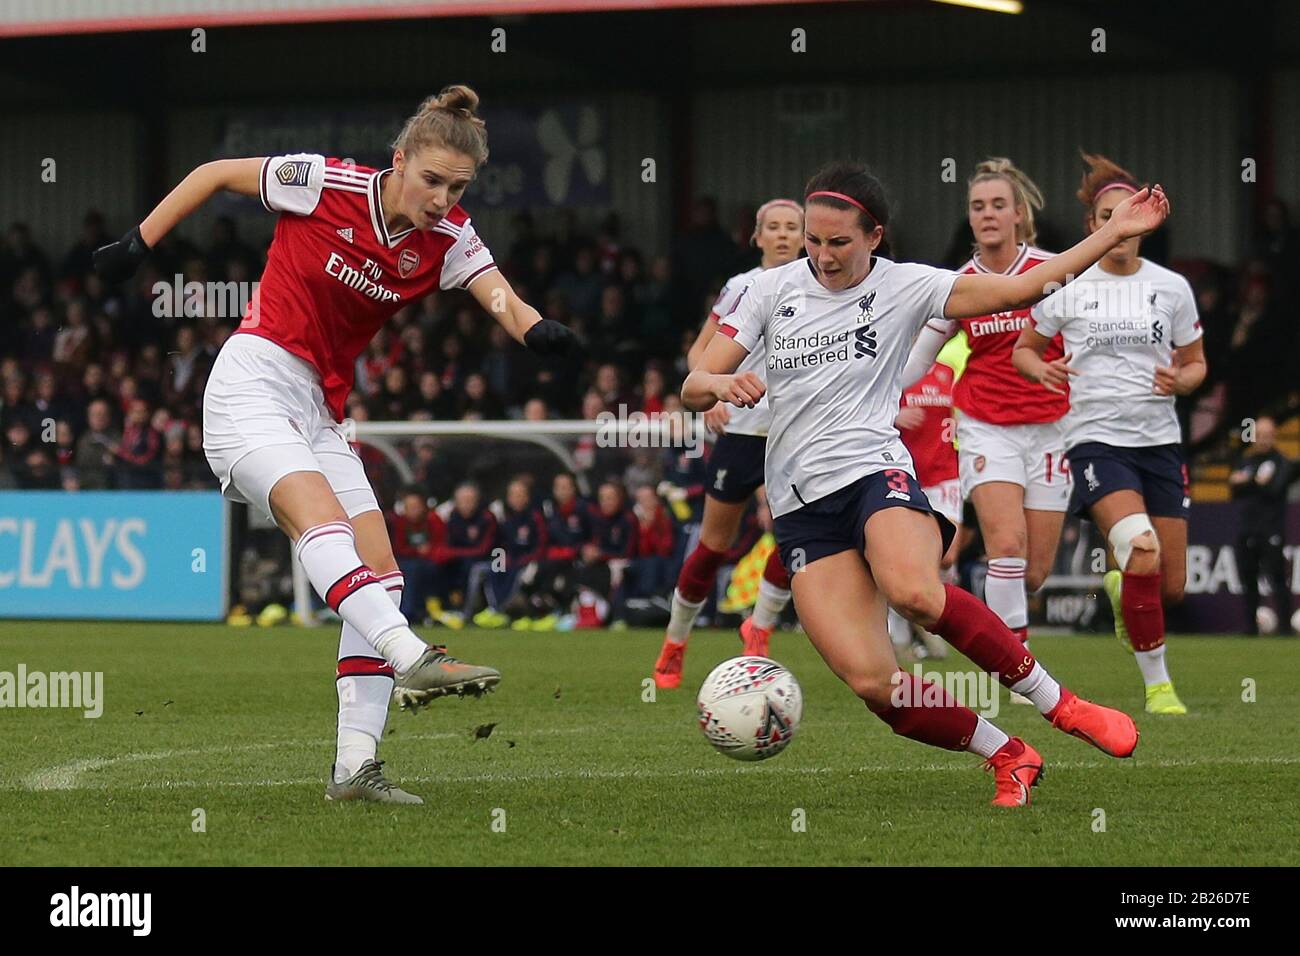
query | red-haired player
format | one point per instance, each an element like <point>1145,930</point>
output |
<point>352,245</point>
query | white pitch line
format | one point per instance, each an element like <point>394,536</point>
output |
<point>67,776</point>
<point>634,773</point>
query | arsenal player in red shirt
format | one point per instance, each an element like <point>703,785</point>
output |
<point>1009,434</point>
<point>926,425</point>
<point>352,245</point>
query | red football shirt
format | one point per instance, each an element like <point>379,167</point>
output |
<point>990,388</point>
<point>335,274</point>
<point>931,442</point>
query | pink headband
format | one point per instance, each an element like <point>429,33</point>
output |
<point>771,204</point>
<point>848,199</point>
<point>1115,185</point>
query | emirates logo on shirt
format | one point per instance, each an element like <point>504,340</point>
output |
<point>407,263</point>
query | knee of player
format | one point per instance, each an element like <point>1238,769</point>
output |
<point>874,689</point>
<point>916,602</point>
<point>1003,543</point>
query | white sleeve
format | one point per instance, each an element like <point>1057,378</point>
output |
<point>292,183</point>
<point>743,322</point>
<point>929,288</point>
<point>1048,316</point>
<point>1186,323</point>
<point>467,259</point>
<point>934,335</point>
<point>726,298</point>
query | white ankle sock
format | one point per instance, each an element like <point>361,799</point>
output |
<point>363,698</point>
<point>683,618</point>
<point>1152,665</point>
<point>900,631</point>
<point>771,602</point>
<point>1004,591</point>
<point>987,739</point>
<point>1040,687</point>
<point>328,553</point>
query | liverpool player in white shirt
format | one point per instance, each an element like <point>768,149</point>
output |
<point>1133,343</point>
<point>852,525</point>
<point>735,469</point>
<point>1011,447</point>
<point>352,245</point>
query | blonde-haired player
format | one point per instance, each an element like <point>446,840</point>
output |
<point>1011,449</point>
<point>352,245</point>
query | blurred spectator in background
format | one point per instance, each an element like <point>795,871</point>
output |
<point>95,456</point>
<point>77,263</point>
<point>651,572</point>
<point>471,534</point>
<point>416,532</point>
<point>521,538</point>
<point>605,557</point>
<point>139,450</point>
<point>703,254</point>
<point>1259,482</point>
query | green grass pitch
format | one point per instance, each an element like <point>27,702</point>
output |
<point>581,770</point>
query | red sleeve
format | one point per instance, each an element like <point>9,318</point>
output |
<point>401,547</point>
<point>665,535</point>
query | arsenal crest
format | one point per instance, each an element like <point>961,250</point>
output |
<point>407,263</point>
<point>980,462</point>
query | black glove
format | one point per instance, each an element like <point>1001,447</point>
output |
<point>118,261</point>
<point>549,337</point>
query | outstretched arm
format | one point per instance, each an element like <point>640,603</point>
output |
<point>119,260</point>
<point>521,321</point>
<point>974,295</point>
<point>235,175</point>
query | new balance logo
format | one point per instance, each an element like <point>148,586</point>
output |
<point>785,312</point>
<point>345,233</point>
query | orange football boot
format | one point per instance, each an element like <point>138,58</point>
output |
<point>668,669</point>
<point>755,638</point>
<point>1110,731</point>
<point>1017,768</point>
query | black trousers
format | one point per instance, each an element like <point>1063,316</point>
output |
<point>1256,554</point>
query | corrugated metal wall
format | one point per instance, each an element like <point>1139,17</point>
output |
<point>637,130</point>
<point>96,165</point>
<point>1286,131</point>
<point>745,150</point>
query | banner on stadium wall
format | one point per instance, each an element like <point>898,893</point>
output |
<point>548,156</point>
<point>1213,602</point>
<point>113,554</point>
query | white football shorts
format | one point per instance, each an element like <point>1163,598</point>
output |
<point>945,498</point>
<point>1031,456</point>
<point>264,417</point>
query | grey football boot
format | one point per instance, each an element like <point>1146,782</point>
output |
<point>368,783</point>
<point>437,674</point>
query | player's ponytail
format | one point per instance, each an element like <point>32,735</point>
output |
<point>1102,175</point>
<point>845,185</point>
<point>1025,192</point>
<point>447,121</point>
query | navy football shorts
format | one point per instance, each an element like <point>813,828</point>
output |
<point>836,522</point>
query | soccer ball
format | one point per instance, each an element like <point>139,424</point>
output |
<point>749,708</point>
<point>1266,620</point>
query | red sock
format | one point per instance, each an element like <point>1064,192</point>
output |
<point>928,713</point>
<point>1144,614</point>
<point>1021,634</point>
<point>774,572</point>
<point>968,625</point>
<point>699,571</point>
